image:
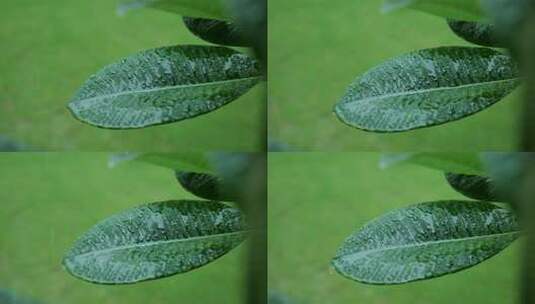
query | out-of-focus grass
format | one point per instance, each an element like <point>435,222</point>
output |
<point>49,200</point>
<point>49,48</point>
<point>316,200</point>
<point>317,48</point>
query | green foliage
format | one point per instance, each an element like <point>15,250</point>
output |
<point>458,9</point>
<point>41,223</point>
<point>484,34</point>
<point>425,241</point>
<point>204,185</point>
<point>473,186</point>
<point>170,84</point>
<point>433,86</point>
<point>195,8</point>
<point>457,162</point>
<point>432,239</point>
<point>88,35</point>
<point>165,238</point>
<point>251,18</point>
<point>164,85</point>
<point>306,125</point>
<point>427,88</point>
<point>509,16</point>
<point>155,240</point>
<point>216,31</point>
<point>339,193</point>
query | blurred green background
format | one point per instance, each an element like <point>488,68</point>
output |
<point>317,48</point>
<point>49,200</point>
<point>316,200</point>
<point>49,48</point>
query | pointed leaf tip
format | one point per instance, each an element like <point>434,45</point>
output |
<point>426,240</point>
<point>164,85</point>
<point>155,240</point>
<point>427,88</point>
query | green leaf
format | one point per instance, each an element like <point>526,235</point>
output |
<point>251,17</point>
<point>457,162</point>
<point>187,161</point>
<point>509,18</point>
<point>164,85</point>
<point>216,31</point>
<point>473,186</point>
<point>456,9</point>
<point>155,240</point>
<point>205,186</point>
<point>426,241</point>
<point>426,88</point>
<point>475,32</point>
<point>194,8</point>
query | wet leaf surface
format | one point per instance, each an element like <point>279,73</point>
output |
<point>473,186</point>
<point>475,32</point>
<point>204,185</point>
<point>426,240</point>
<point>164,85</point>
<point>155,240</point>
<point>426,88</point>
<point>216,31</point>
<point>458,9</point>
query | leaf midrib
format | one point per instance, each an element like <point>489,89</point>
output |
<point>156,243</point>
<point>166,88</point>
<point>405,93</point>
<point>367,252</point>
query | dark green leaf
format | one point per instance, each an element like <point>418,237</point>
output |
<point>475,32</point>
<point>427,88</point>
<point>425,241</point>
<point>457,9</point>
<point>251,17</point>
<point>216,31</point>
<point>154,241</point>
<point>510,18</point>
<point>164,85</point>
<point>473,186</point>
<point>205,186</point>
<point>195,8</point>
<point>457,162</point>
